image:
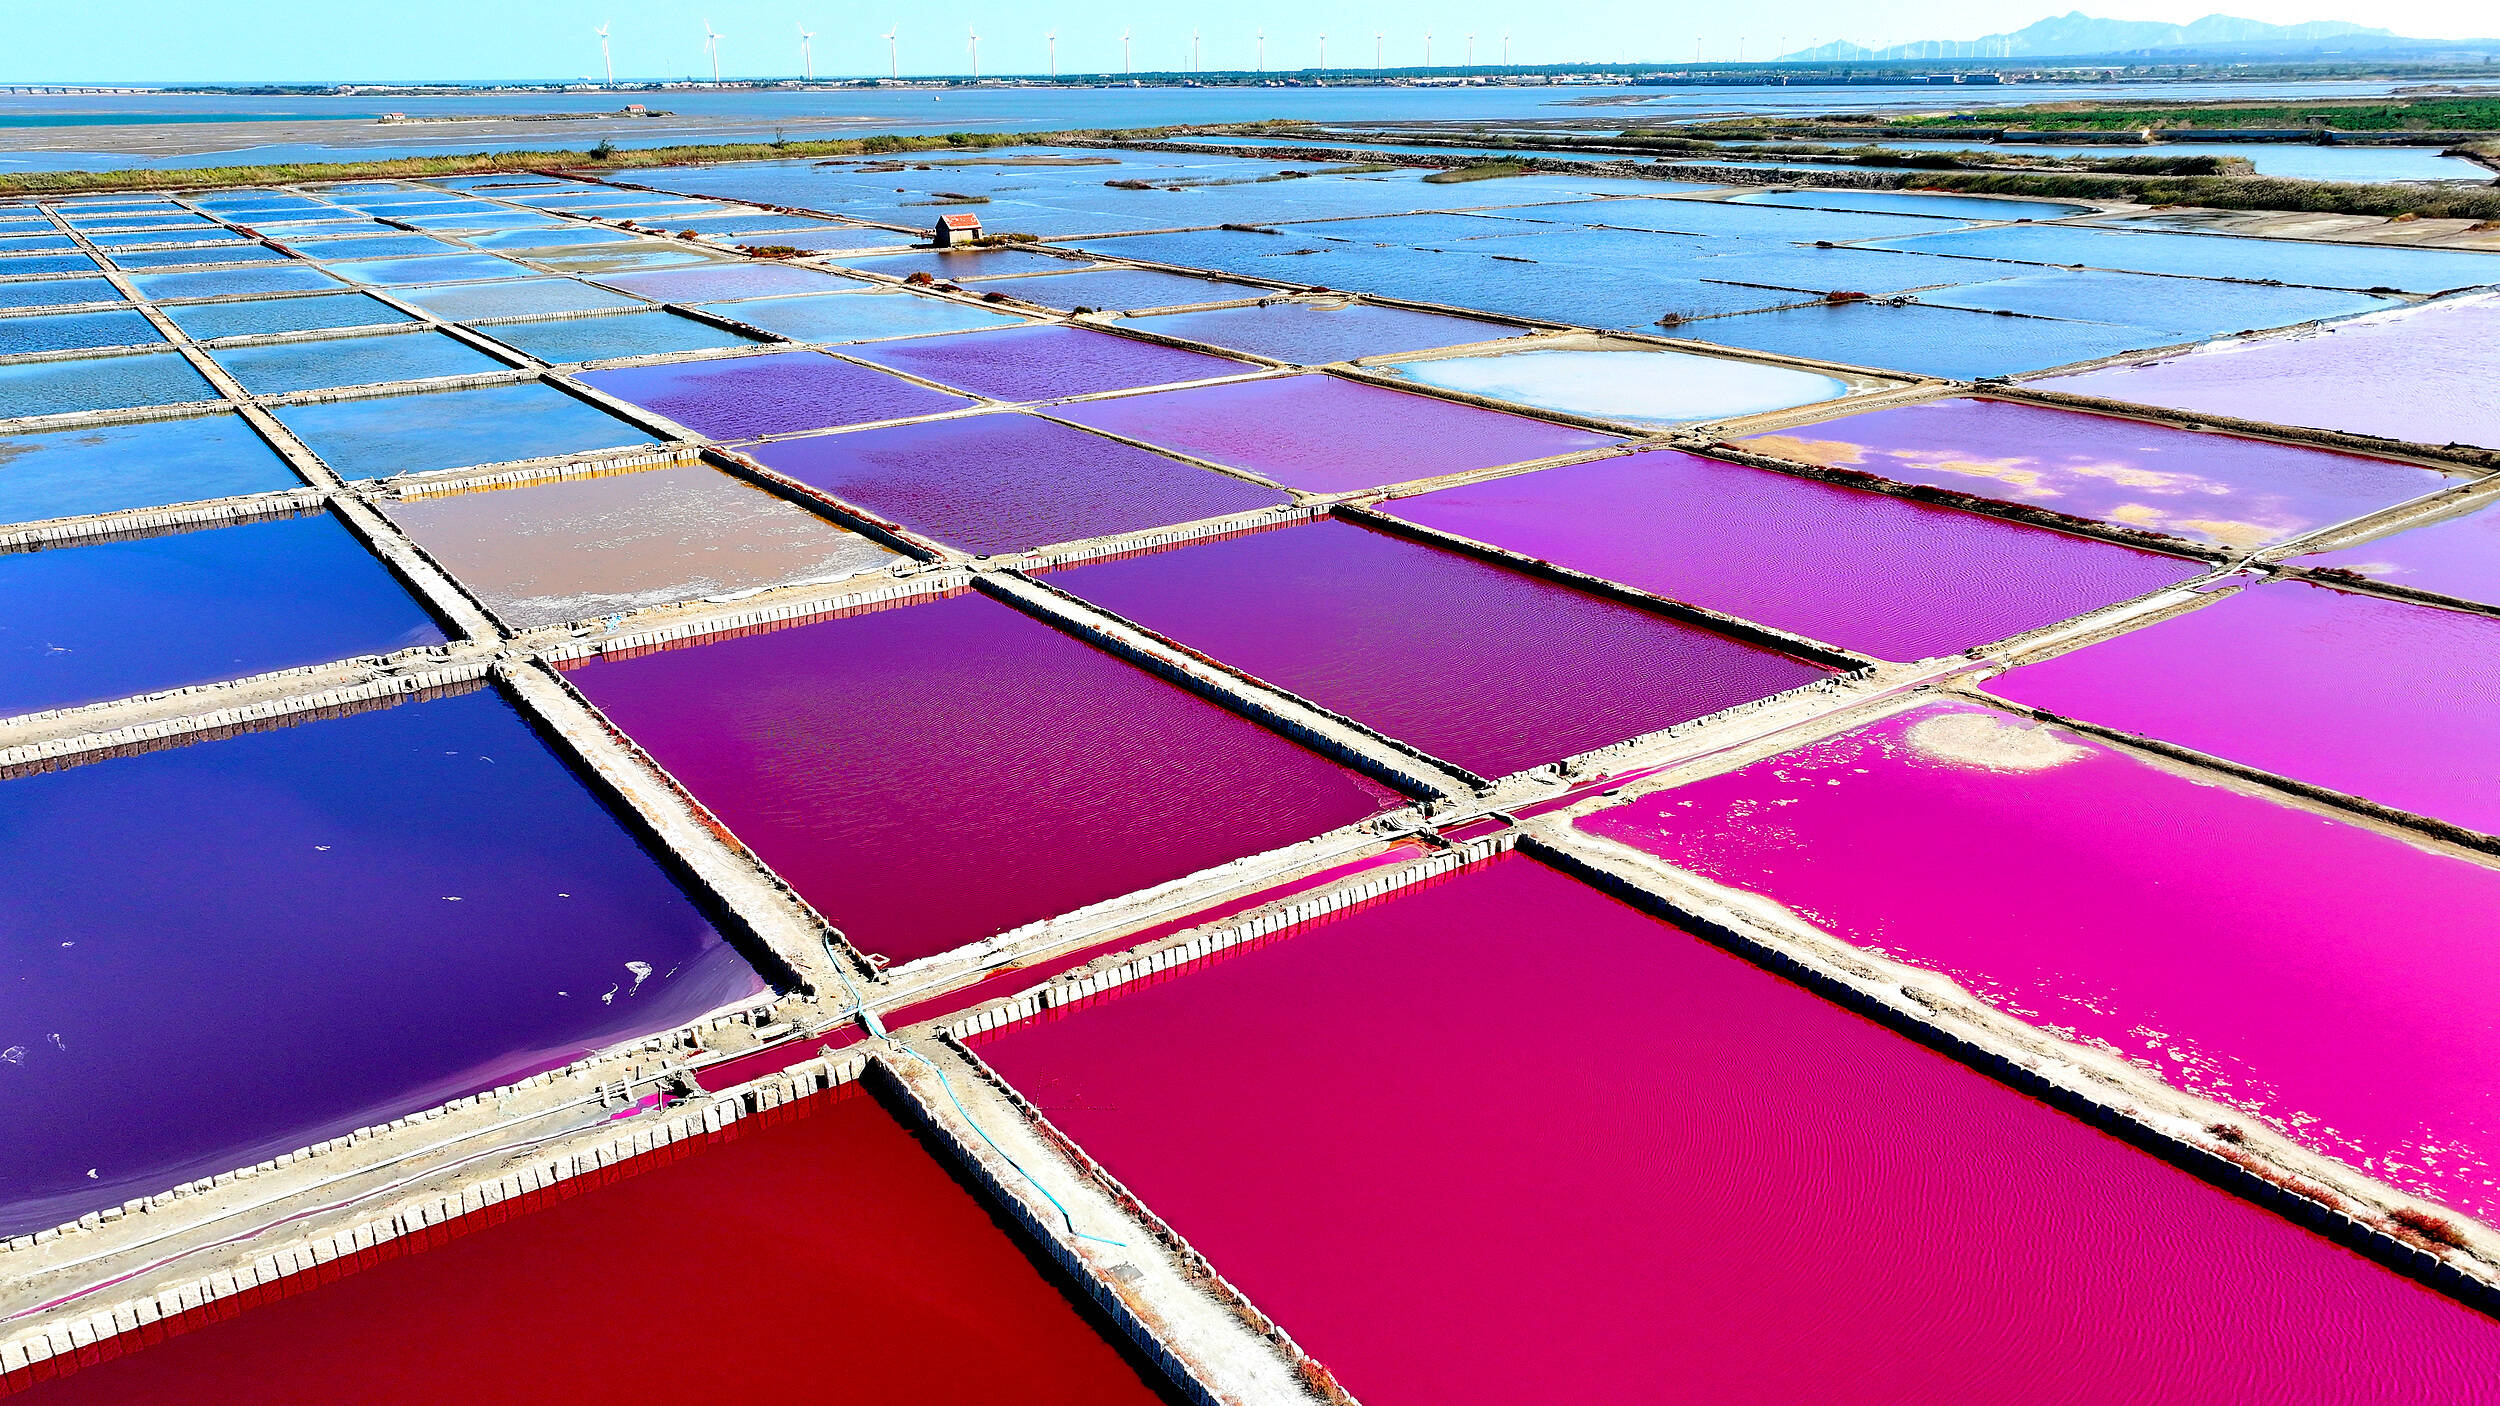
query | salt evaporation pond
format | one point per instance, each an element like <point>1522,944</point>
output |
<point>542,554</point>
<point>1329,435</point>
<point>2305,262</point>
<point>729,280</point>
<point>955,265</point>
<point>1751,1193</point>
<point>1045,361</point>
<point>2338,982</point>
<point>879,1235</point>
<point>1869,572</point>
<point>230,282</point>
<point>2182,309</point>
<point>388,909</point>
<point>746,397</point>
<point>315,313</point>
<point>2398,375</point>
<point>56,292</point>
<point>1005,483</point>
<point>126,381</point>
<point>447,268</point>
<point>2456,555</point>
<point>1122,289</point>
<point>1896,202</point>
<point>377,436</point>
<point>2367,696</point>
<point>858,317</point>
<point>1492,669</point>
<point>76,331</point>
<point>928,775</point>
<point>322,363</point>
<point>518,297</point>
<point>1956,343</point>
<point>2219,489</point>
<point>560,340</point>
<point>1634,384</point>
<point>1315,334</point>
<point>146,464</point>
<point>96,620</point>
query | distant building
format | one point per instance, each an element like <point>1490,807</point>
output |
<point>955,229</point>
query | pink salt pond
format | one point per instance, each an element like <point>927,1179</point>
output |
<point>2456,555</point>
<point>2339,983</point>
<point>745,397</point>
<point>1044,361</point>
<point>1492,669</point>
<point>1671,1176</point>
<point>1007,483</point>
<point>2412,375</point>
<point>1868,572</point>
<point>2221,490</point>
<point>2371,697</point>
<point>1327,435</point>
<point>931,774</point>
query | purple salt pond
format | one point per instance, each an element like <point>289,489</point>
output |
<point>2403,375</point>
<point>222,951</point>
<point>744,397</point>
<point>1881,575</point>
<point>932,774</point>
<point>1006,483</point>
<point>2212,488</point>
<point>1328,435</point>
<point>2457,555</point>
<point>2371,697</point>
<point>1491,669</point>
<point>1314,334</point>
<point>1044,361</point>
<point>2339,983</point>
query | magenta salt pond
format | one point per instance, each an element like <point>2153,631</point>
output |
<point>742,397</point>
<point>1328,435</point>
<point>2376,698</point>
<point>2340,983</point>
<point>1683,1180</point>
<point>932,774</point>
<point>1006,483</point>
<point>2454,555</point>
<point>1881,575</point>
<point>2211,488</point>
<point>1492,669</point>
<point>2404,375</point>
<point>1045,361</point>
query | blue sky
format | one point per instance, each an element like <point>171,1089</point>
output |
<point>84,41</point>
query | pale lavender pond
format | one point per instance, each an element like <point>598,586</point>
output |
<point>744,397</point>
<point>223,951</point>
<point>2424,376</point>
<point>2456,555</point>
<point>1328,435</point>
<point>2378,698</point>
<point>1045,361</point>
<point>1866,571</point>
<point>2339,983</point>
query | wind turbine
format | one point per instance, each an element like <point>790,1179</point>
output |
<point>893,60</point>
<point>1505,48</point>
<point>1471,51</point>
<point>975,45</point>
<point>1377,36</point>
<point>711,45</point>
<point>1323,53</point>
<point>1125,65</point>
<point>1262,51</point>
<point>807,56</point>
<point>1427,48</point>
<point>604,60</point>
<point>1053,38</point>
<point>1193,53</point>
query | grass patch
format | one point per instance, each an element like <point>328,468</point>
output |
<point>1478,171</point>
<point>2236,193</point>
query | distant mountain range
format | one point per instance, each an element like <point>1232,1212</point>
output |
<point>2078,35</point>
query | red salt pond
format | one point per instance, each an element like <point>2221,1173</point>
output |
<point>1490,668</point>
<point>1045,361</point>
<point>2337,982</point>
<point>2456,555</point>
<point>1868,572</point>
<point>931,774</point>
<point>2371,697</point>
<point>817,1243</point>
<point>1328,435</point>
<point>2218,489</point>
<point>1006,483</point>
<point>1656,1172</point>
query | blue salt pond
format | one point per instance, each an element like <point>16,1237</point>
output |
<point>565,237</point>
<point>1896,202</point>
<point>1119,289</point>
<point>99,383</point>
<point>323,363</point>
<point>96,620</point>
<point>222,283</point>
<point>859,317</point>
<point>390,909</point>
<point>321,312</point>
<point>2317,265</point>
<point>110,468</point>
<point>19,265</point>
<point>523,297</point>
<point>1728,219</point>
<point>2187,308</point>
<point>377,436</point>
<point>385,246</point>
<point>75,331</point>
<point>447,268</point>
<point>1316,334</point>
<point>1930,341</point>
<point>196,256</point>
<point>960,265</point>
<point>35,243</point>
<point>202,237</point>
<point>651,332</point>
<point>57,292</point>
<point>1637,385</point>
